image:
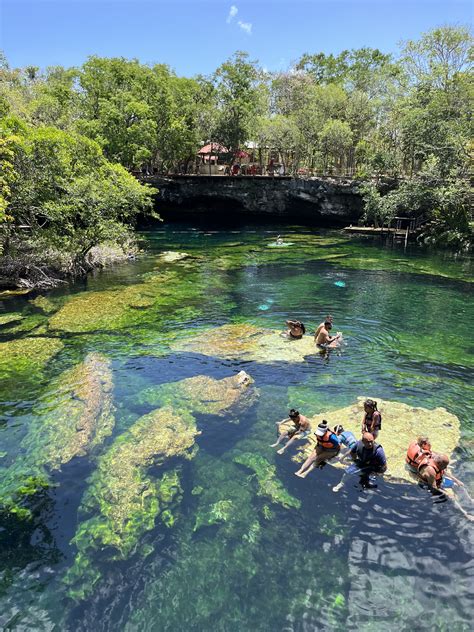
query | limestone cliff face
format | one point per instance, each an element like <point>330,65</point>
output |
<point>326,201</point>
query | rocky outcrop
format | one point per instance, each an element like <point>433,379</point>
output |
<point>330,201</point>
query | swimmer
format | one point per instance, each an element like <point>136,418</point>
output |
<point>296,329</point>
<point>329,319</point>
<point>301,429</point>
<point>324,340</point>
<point>327,447</point>
<point>279,241</point>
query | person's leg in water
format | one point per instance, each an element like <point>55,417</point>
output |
<point>282,437</point>
<point>319,460</point>
<point>308,463</point>
<point>351,470</point>
<point>292,440</point>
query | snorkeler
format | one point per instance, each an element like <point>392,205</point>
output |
<point>327,447</point>
<point>301,429</point>
<point>296,329</point>
<point>324,340</point>
<point>372,421</point>
<point>279,241</point>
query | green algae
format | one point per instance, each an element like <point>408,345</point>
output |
<point>6,319</point>
<point>72,419</point>
<point>44,304</point>
<point>23,360</point>
<point>202,394</point>
<point>441,348</point>
<point>220,511</point>
<point>268,485</point>
<point>123,498</point>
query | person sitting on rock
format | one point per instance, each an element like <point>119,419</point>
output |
<point>301,429</point>
<point>417,450</point>
<point>346,438</point>
<point>324,340</point>
<point>369,458</point>
<point>431,469</point>
<point>327,447</point>
<point>329,319</point>
<point>296,329</point>
<point>372,421</point>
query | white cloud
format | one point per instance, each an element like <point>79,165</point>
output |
<point>232,13</point>
<point>245,26</point>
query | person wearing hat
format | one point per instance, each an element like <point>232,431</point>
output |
<point>301,429</point>
<point>327,447</point>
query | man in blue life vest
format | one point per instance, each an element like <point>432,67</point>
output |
<point>369,458</point>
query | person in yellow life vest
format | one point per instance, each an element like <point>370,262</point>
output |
<point>327,447</point>
<point>417,450</point>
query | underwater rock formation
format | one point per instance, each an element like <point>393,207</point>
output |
<point>72,419</point>
<point>401,424</point>
<point>247,342</point>
<point>123,498</point>
<point>268,484</point>
<point>25,358</point>
<point>170,256</point>
<point>203,394</point>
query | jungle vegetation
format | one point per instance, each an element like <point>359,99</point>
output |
<point>70,138</point>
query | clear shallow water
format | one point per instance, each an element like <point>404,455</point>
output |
<point>360,559</point>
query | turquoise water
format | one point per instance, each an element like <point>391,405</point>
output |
<point>239,553</point>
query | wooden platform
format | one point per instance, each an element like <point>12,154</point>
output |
<point>369,230</point>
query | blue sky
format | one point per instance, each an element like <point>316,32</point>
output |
<point>196,36</point>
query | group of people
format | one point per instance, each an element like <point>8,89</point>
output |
<point>322,336</point>
<point>367,456</point>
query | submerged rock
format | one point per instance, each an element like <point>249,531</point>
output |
<point>247,342</point>
<point>25,358</point>
<point>170,256</point>
<point>268,484</point>
<point>44,304</point>
<point>123,498</point>
<point>5,319</point>
<point>203,394</point>
<point>401,424</point>
<point>72,419</point>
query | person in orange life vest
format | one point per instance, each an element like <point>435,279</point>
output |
<point>327,447</point>
<point>417,450</point>
<point>431,469</point>
<point>301,429</point>
<point>329,319</point>
<point>372,421</point>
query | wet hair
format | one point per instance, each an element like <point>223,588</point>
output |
<point>338,429</point>
<point>328,323</point>
<point>442,460</point>
<point>371,404</point>
<point>421,440</point>
<point>294,413</point>
<point>329,318</point>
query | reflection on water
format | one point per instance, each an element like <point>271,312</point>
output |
<point>248,546</point>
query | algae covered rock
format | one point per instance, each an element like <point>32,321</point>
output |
<point>268,484</point>
<point>401,424</point>
<point>123,499</point>
<point>73,418</point>
<point>6,319</point>
<point>44,304</point>
<point>25,358</point>
<point>247,342</point>
<point>202,394</point>
<point>170,256</point>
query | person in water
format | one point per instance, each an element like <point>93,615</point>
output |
<point>329,319</point>
<point>346,438</point>
<point>324,340</point>
<point>372,421</point>
<point>417,450</point>
<point>279,240</point>
<point>301,429</point>
<point>296,329</point>
<point>327,447</point>
<point>369,458</point>
<point>431,469</point>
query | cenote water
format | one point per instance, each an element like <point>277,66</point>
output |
<point>217,533</point>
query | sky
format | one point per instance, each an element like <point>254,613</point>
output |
<point>196,36</point>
